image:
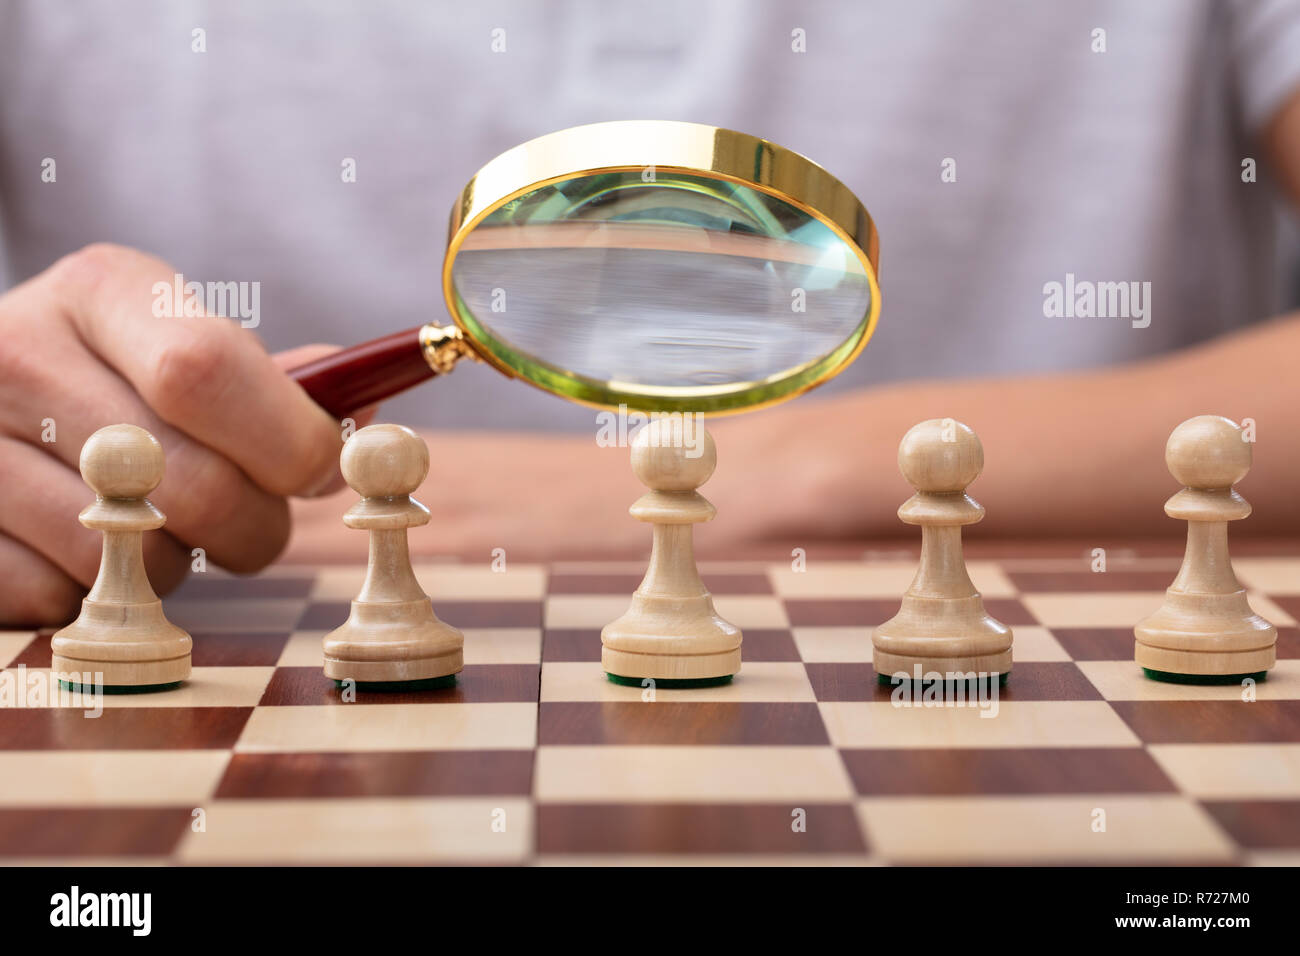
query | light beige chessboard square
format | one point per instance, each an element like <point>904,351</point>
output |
<point>503,645</point>
<point>12,644</point>
<point>107,778</point>
<point>1232,771</point>
<point>784,682</point>
<point>1034,644</point>
<point>377,727</point>
<point>1271,575</point>
<point>1051,829</point>
<point>1270,610</point>
<point>1020,723</point>
<point>827,645</point>
<point>1092,609</point>
<point>604,774</point>
<point>1122,609</point>
<point>392,830</point>
<point>303,649</point>
<point>1124,680</point>
<point>206,687</point>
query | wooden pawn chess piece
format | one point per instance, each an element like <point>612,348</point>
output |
<point>671,633</point>
<point>392,636</point>
<point>942,626</point>
<point>121,637</point>
<point>1206,632</point>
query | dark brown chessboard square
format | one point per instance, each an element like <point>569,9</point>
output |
<point>327,615</point>
<point>841,681</point>
<point>839,612</point>
<point>696,829</point>
<point>1289,603</point>
<point>476,684</point>
<point>1048,680</point>
<point>1211,721</point>
<point>1096,643</point>
<point>238,650</point>
<point>737,583</point>
<point>615,582</point>
<point>199,587</point>
<point>1031,582</point>
<point>776,644</point>
<point>575,644</point>
<point>92,832</point>
<point>1032,680</point>
<point>1010,612</point>
<point>122,728</point>
<point>965,772</point>
<point>400,774</point>
<point>685,723</point>
<point>1259,824</point>
<point>1288,643</point>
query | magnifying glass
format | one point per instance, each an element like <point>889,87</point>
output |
<point>664,266</point>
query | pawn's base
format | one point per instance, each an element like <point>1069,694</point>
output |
<point>1168,677</point>
<point>395,671</point>
<point>635,667</point>
<point>915,667</point>
<point>396,686</point>
<point>126,676</point>
<point>76,688</point>
<point>393,643</point>
<point>1208,659</point>
<point>669,682</point>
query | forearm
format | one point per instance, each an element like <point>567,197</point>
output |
<point>1077,455</point>
<point>1065,455</point>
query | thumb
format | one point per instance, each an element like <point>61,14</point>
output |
<point>290,359</point>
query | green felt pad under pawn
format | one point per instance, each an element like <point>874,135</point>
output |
<point>670,682</point>
<point>1169,677</point>
<point>117,689</point>
<point>395,686</point>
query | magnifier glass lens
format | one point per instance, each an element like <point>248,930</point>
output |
<point>659,280</point>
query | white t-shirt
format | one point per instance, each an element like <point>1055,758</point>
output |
<point>1117,166</point>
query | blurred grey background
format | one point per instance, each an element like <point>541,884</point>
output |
<point>1115,166</point>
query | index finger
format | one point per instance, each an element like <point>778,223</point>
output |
<point>202,374</point>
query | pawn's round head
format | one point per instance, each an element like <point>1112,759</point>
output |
<point>940,456</point>
<point>673,453</point>
<point>383,461</point>
<point>122,461</point>
<point>1208,451</point>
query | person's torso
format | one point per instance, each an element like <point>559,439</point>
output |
<point>1120,166</point>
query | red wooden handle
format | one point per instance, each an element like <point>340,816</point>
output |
<point>354,378</point>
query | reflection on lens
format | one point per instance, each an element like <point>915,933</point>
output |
<point>683,281</point>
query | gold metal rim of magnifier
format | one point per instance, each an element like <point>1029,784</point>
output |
<point>664,145</point>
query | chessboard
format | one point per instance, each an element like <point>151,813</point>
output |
<point>535,758</point>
